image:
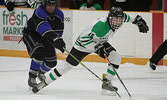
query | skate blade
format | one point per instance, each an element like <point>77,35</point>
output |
<point>29,89</point>
<point>108,93</point>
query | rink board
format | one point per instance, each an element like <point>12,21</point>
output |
<point>89,58</point>
<point>133,46</point>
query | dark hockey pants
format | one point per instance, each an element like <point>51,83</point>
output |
<point>160,53</point>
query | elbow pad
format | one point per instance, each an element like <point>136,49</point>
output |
<point>50,35</point>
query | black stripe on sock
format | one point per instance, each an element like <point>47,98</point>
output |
<point>57,73</point>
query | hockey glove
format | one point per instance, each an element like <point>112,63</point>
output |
<point>101,50</point>
<point>10,5</point>
<point>59,44</point>
<point>142,25</point>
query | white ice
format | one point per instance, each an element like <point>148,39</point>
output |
<point>80,84</point>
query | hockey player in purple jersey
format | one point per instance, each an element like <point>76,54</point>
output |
<point>95,39</point>
<point>41,35</point>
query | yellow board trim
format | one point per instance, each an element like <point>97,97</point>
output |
<point>89,58</point>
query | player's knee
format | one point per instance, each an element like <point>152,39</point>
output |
<point>38,54</point>
<point>51,64</point>
<point>72,61</point>
<point>115,58</point>
<point>115,66</point>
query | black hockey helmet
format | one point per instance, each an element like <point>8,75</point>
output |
<point>47,2</point>
<point>115,12</point>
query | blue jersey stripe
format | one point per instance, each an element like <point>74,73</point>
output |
<point>43,27</point>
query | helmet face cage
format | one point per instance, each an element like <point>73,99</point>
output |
<point>115,17</point>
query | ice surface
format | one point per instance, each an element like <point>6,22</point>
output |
<point>80,84</point>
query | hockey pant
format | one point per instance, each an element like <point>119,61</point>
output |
<point>41,51</point>
<point>160,53</point>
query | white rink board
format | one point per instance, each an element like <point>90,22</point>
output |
<point>165,30</point>
<point>127,41</point>
<point>21,16</point>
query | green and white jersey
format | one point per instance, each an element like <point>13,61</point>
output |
<point>21,3</point>
<point>34,3</point>
<point>98,32</point>
<point>26,3</point>
<point>95,6</point>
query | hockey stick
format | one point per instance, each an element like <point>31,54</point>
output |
<point>89,70</point>
<point>119,77</point>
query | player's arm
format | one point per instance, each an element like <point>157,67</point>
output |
<point>141,23</point>
<point>88,41</point>
<point>127,18</point>
<point>45,30</point>
<point>42,26</point>
<point>59,23</point>
<point>34,3</point>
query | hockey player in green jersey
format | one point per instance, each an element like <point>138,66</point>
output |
<point>94,39</point>
<point>11,4</point>
<point>90,5</point>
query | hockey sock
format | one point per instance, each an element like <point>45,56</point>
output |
<point>44,68</point>
<point>52,76</point>
<point>34,65</point>
<point>60,69</point>
<point>34,68</point>
<point>110,72</point>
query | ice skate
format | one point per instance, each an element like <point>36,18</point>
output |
<point>39,86</point>
<point>152,65</point>
<point>41,76</point>
<point>108,89</point>
<point>32,82</point>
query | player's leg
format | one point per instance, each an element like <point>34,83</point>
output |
<point>33,72</point>
<point>35,50</point>
<point>61,69</point>
<point>66,65</point>
<point>49,61</point>
<point>158,55</point>
<point>115,60</point>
